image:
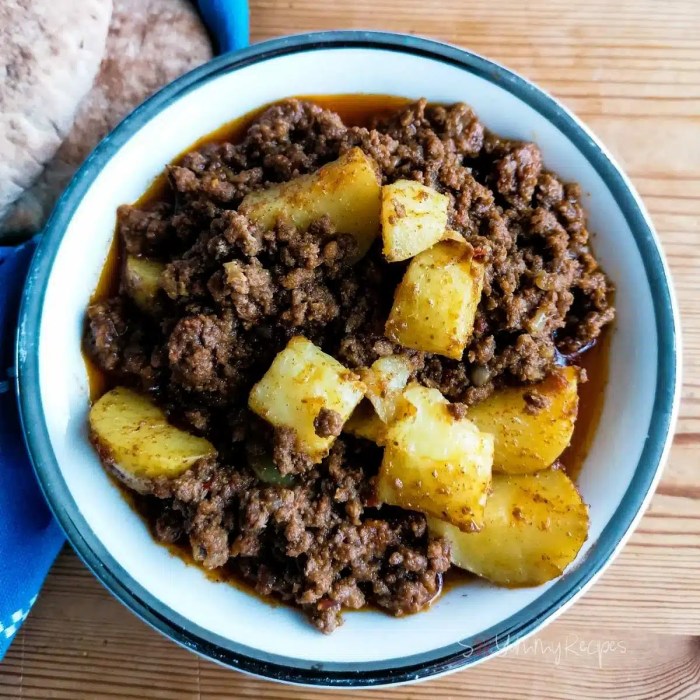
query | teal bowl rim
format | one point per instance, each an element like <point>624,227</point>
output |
<point>398,670</point>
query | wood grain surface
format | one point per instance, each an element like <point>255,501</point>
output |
<point>631,70</point>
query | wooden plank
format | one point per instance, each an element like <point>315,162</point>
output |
<point>80,642</point>
<point>631,70</point>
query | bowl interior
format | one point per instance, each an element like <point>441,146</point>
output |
<point>120,172</point>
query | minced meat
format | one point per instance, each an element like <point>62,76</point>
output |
<point>233,296</point>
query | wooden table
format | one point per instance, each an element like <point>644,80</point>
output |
<point>631,70</point>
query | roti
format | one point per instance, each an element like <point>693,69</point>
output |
<point>149,44</point>
<point>50,53</point>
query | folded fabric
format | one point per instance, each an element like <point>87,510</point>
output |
<point>227,21</point>
<point>29,537</point>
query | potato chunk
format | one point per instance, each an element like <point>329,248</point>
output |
<point>141,281</point>
<point>300,382</point>
<point>414,218</point>
<point>134,438</point>
<point>534,526</point>
<point>435,303</point>
<point>346,190</point>
<point>532,425</point>
<point>365,423</point>
<point>384,381</point>
<point>434,461</point>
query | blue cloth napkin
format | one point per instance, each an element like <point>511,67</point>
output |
<point>29,537</point>
<point>227,21</point>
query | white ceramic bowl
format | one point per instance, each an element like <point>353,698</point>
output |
<point>466,625</point>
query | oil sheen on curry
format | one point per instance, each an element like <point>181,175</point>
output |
<point>347,346</point>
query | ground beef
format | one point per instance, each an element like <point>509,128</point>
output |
<point>286,455</point>
<point>121,342</point>
<point>328,423</point>
<point>147,231</point>
<point>457,410</point>
<point>233,296</point>
<point>536,402</point>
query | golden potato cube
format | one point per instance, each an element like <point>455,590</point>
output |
<point>347,191</point>
<point>134,439</point>
<point>141,281</point>
<point>435,303</point>
<point>451,235</point>
<point>300,382</point>
<point>534,526</point>
<point>414,218</point>
<point>384,382</point>
<point>434,461</point>
<point>531,425</point>
<point>365,423</point>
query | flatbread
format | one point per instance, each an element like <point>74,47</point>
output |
<point>149,44</point>
<point>50,52</point>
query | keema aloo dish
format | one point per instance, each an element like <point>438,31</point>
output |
<point>343,359</point>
